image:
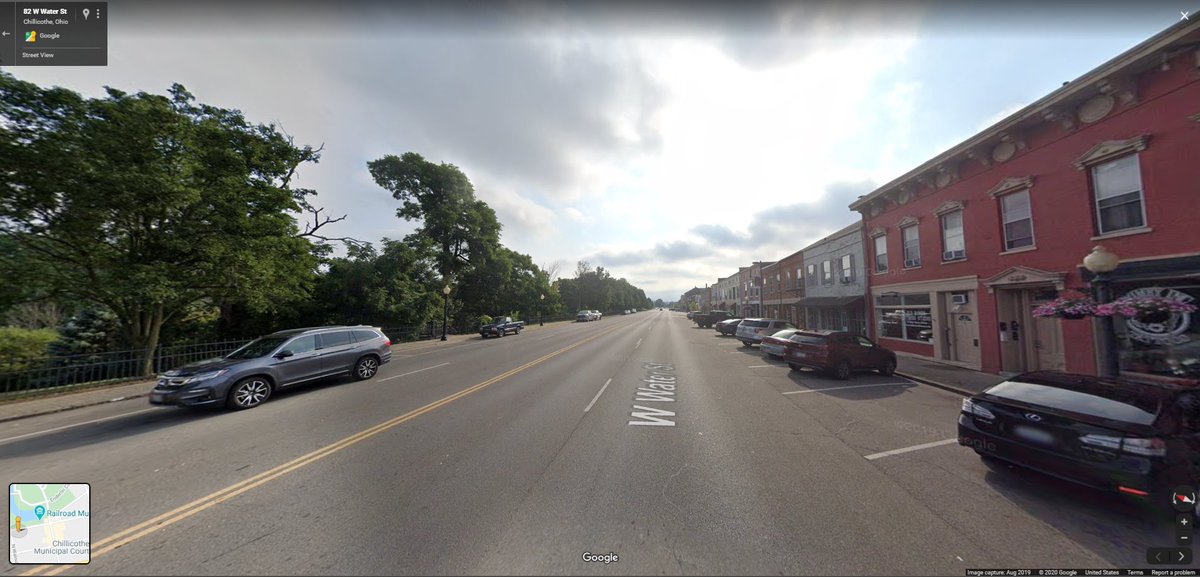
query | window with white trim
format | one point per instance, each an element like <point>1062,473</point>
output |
<point>812,275</point>
<point>1117,187</point>
<point>827,272</point>
<point>847,262</point>
<point>954,245</point>
<point>912,246</point>
<point>881,264</point>
<point>1017,217</point>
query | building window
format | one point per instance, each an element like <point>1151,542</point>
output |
<point>1017,219</point>
<point>812,275</point>
<point>1118,190</point>
<point>797,285</point>
<point>881,253</point>
<point>953,245</point>
<point>827,272</point>
<point>848,268</point>
<point>905,317</point>
<point>912,246</point>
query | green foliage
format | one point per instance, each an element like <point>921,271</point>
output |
<point>18,346</point>
<point>596,289</point>
<point>92,330</point>
<point>485,320</point>
<point>147,203</point>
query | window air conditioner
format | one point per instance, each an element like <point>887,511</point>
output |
<point>954,254</point>
<point>912,263</point>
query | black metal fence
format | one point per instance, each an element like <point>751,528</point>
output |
<point>28,376</point>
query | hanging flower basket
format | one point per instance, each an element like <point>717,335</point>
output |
<point>1071,304</point>
<point>1145,309</point>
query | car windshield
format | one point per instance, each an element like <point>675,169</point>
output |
<point>808,339</point>
<point>1126,408</point>
<point>257,348</point>
<point>784,333</point>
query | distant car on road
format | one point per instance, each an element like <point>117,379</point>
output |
<point>727,326</point>
<point>708,319</point>
<point>249,376</point>
<point>501,327</point>
<point>1137,439</point>
<point>752,331</point>
<point>774,345</point>
<point>837,352</point>
<point>596,315</point>
<point>584,316</point>
<point>690,313</point>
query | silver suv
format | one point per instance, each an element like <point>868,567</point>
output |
<point>752,331</point>
<point>246,377</point>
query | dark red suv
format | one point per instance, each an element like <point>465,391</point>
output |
<point>839,353</point>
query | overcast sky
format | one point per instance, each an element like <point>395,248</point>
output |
<point>668,142</point>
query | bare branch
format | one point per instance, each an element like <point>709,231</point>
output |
<point>318,221</point>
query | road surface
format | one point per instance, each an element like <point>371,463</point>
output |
<point>644,438</point>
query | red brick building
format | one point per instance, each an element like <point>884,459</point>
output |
<point>783,288</point>
<point>962,248</point>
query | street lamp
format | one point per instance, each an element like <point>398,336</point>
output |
<point>445,309</point>
<point>1101,262</point>
<point>541,302</point>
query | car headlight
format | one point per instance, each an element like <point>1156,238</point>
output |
<point>198,377</point>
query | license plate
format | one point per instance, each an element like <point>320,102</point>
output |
<point>798,355</point>
<point>1033,435</point>
<point>156,397</point>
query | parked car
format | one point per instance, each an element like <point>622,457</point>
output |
<point>690,315</point>
<point>249,376</point>
<point>501,327</point>
<point>710,318</point>
<point>837,352</point>
<point>727,326</point>
<point>774,345</point>
<point>584,316</point>
<point>596,315</point>
<point>751,331</point>
<point>1137,439</point>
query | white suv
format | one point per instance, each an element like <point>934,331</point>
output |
<point>752,331</point>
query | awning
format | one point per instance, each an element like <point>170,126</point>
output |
<point>828,301</point>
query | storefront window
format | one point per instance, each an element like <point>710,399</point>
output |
<point>907,317</point>
<point>1169,348</point>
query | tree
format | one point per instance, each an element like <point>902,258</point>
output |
<point>146,204</point>
<point>443,199</point>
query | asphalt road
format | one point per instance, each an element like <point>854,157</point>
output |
<point>518,455</point>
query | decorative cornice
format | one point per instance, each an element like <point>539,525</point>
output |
<point>1064,119</point>
<point>877,231</point>
<point>1016,138</point>
<point>907,221</point>
<point>950,206</point>
<point>1111,149</point>
<point>982,156</point>
<point>1011,184</point>
<point>1124,88</point>
<point>1025,276</point>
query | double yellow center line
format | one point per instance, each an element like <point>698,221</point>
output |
<point>180,513</point>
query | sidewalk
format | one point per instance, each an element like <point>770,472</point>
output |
<point>65,401</point>
<point>945,376</point>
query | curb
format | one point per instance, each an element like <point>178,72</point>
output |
<point>72,407</point>
<point>937,384</point>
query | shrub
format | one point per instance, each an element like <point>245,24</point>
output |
<point>20,347</point>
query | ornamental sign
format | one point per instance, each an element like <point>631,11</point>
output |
<point>1170,332</point>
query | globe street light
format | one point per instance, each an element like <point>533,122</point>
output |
<point>541,302</point>
<point>445,309</point>
<point>1101,262</point>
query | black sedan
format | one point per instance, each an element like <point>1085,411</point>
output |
<point>728,326</point>
<point>1138,439</point>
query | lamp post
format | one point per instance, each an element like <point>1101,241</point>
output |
<point>445,309</point>
<point>541,303</point>
<point>1101,262</point>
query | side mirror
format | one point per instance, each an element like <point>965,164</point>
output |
<point>284,354</point>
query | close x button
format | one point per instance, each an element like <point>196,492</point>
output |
<point>1169,555</point>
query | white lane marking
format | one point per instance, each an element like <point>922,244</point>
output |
<point>639,343</point>
<point>910,449</point>
<point>758,366</point>
<point>412,372</point>
<point>100,420</point>
<point>850,387</point>
<point>601,392</point>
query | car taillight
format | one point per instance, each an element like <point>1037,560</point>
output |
<point>388,343</point>
<point>969,407</point>
<point>1148,447</point>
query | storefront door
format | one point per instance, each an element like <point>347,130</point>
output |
<point>964,330</point>
<point>1046,340</point>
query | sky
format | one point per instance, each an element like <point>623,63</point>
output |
<point>669,142</point>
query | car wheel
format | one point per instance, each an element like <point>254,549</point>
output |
<point>889,368</point>
<point>483,335</point>
<point>248,393</point>
<point>793,366</point>
<point>500,333</point>
<point>841,370</point>
<point>366,368</point>
<point>518,331</point>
